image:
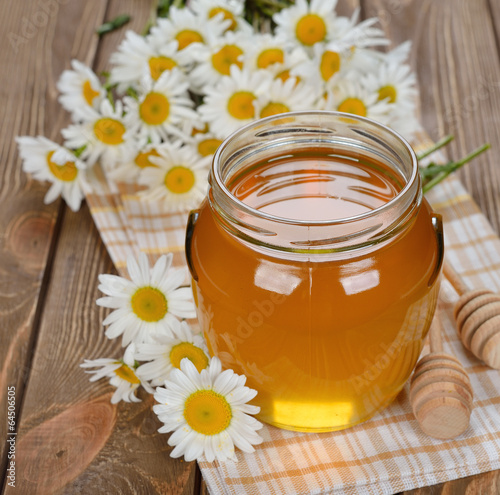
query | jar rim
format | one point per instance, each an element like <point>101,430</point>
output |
<point>216,176</point>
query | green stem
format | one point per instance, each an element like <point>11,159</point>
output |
<point>153,16</point>
<point>115,23</point>
<point>79,151</point>
<point>440,144</point>
<point>274,4</point>
<point>133,93</point>
<point>454,166</point>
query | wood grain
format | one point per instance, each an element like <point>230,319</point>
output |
<point>71,440</point>
<point>54,452</point>
<point>30,36</point>
<point>481,484</point>
<point>494,7</point>
<point>456,58</point>
<point>455,54</point>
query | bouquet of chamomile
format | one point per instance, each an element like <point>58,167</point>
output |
<point>170,98</point>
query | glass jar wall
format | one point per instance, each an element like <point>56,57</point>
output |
<point>315,263</point>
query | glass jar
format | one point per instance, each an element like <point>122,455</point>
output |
<point>315,263</point>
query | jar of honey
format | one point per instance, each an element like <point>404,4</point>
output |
<point>315,262</point>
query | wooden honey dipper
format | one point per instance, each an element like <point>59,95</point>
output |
<point>440,391</point>
<point>477,314</point>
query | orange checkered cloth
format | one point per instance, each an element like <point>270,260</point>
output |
<point>386,454</point>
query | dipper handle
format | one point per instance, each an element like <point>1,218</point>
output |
<point>435,339</point>
<point>454,278</point>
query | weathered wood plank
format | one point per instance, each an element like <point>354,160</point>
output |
<point>494,6</point>
<point>484,484</point>
<point>347,7</point>
<point>72,440</point>
<point>29,63</point>
<point>456,58</point>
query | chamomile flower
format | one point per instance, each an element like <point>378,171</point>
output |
<point>275,55</point>
<point>103,134</point>
<point>186,28</point>
<point>121,373</point>
<point>162,107</point>
<point>47,161</point>
<point>350,96</point>
<point>179,179</point>
<point>207,412</point>
<point>231,102</point>
<point>287,96</point>
<point>264,51</point>
<point>79,88</point>
<point>137,57</point>
<point>395,84</point>
<point>368,60</point>
<point>351,34</point>
<point>206,143</point>
<point>398,55</point>
<point>307,23</point>
<point>294,57</point>
<point>327,61</point>
<point>215,59</point>
<point>167,353</point>
<point>145,305</point>
<point>230,11</point>
<point>129,170</point>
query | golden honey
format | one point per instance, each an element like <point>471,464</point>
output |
<point>315,272</point>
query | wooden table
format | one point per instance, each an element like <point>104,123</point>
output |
<point>71,439</point>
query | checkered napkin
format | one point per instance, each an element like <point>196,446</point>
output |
<point>384,455</point>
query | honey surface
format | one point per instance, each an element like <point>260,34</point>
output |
<point>325,343</point>
<point>315,188</point>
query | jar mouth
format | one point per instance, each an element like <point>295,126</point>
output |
<point>343,134</point>
<point>276,126</point>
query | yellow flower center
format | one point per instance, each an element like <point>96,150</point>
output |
<point>88,92</point>
<point>186,37</point>
<point>66,172</point>
<point>149,304</point>
<point>285,75</point>
<point>225,57</point>
<point>208,146</point>
<point>240,105</point>
<point>387,92</point>
<point>269,57</point>
<point>227,16</point>
<point>330,64</point>
<point>179,179</point>
<point>109,131</point>
<point>142,158</point>
<point>190,351</point>
<point>158,65</point>
<point>273,109</point>
<point>207,412</point>
<point>354,106</point>
<point>127,373</point>
<point>155,109</point>
<point>310,29</point>
<point>199,131</point>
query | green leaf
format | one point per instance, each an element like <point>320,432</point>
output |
<point>112,25</point>
<point>439,172</point>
